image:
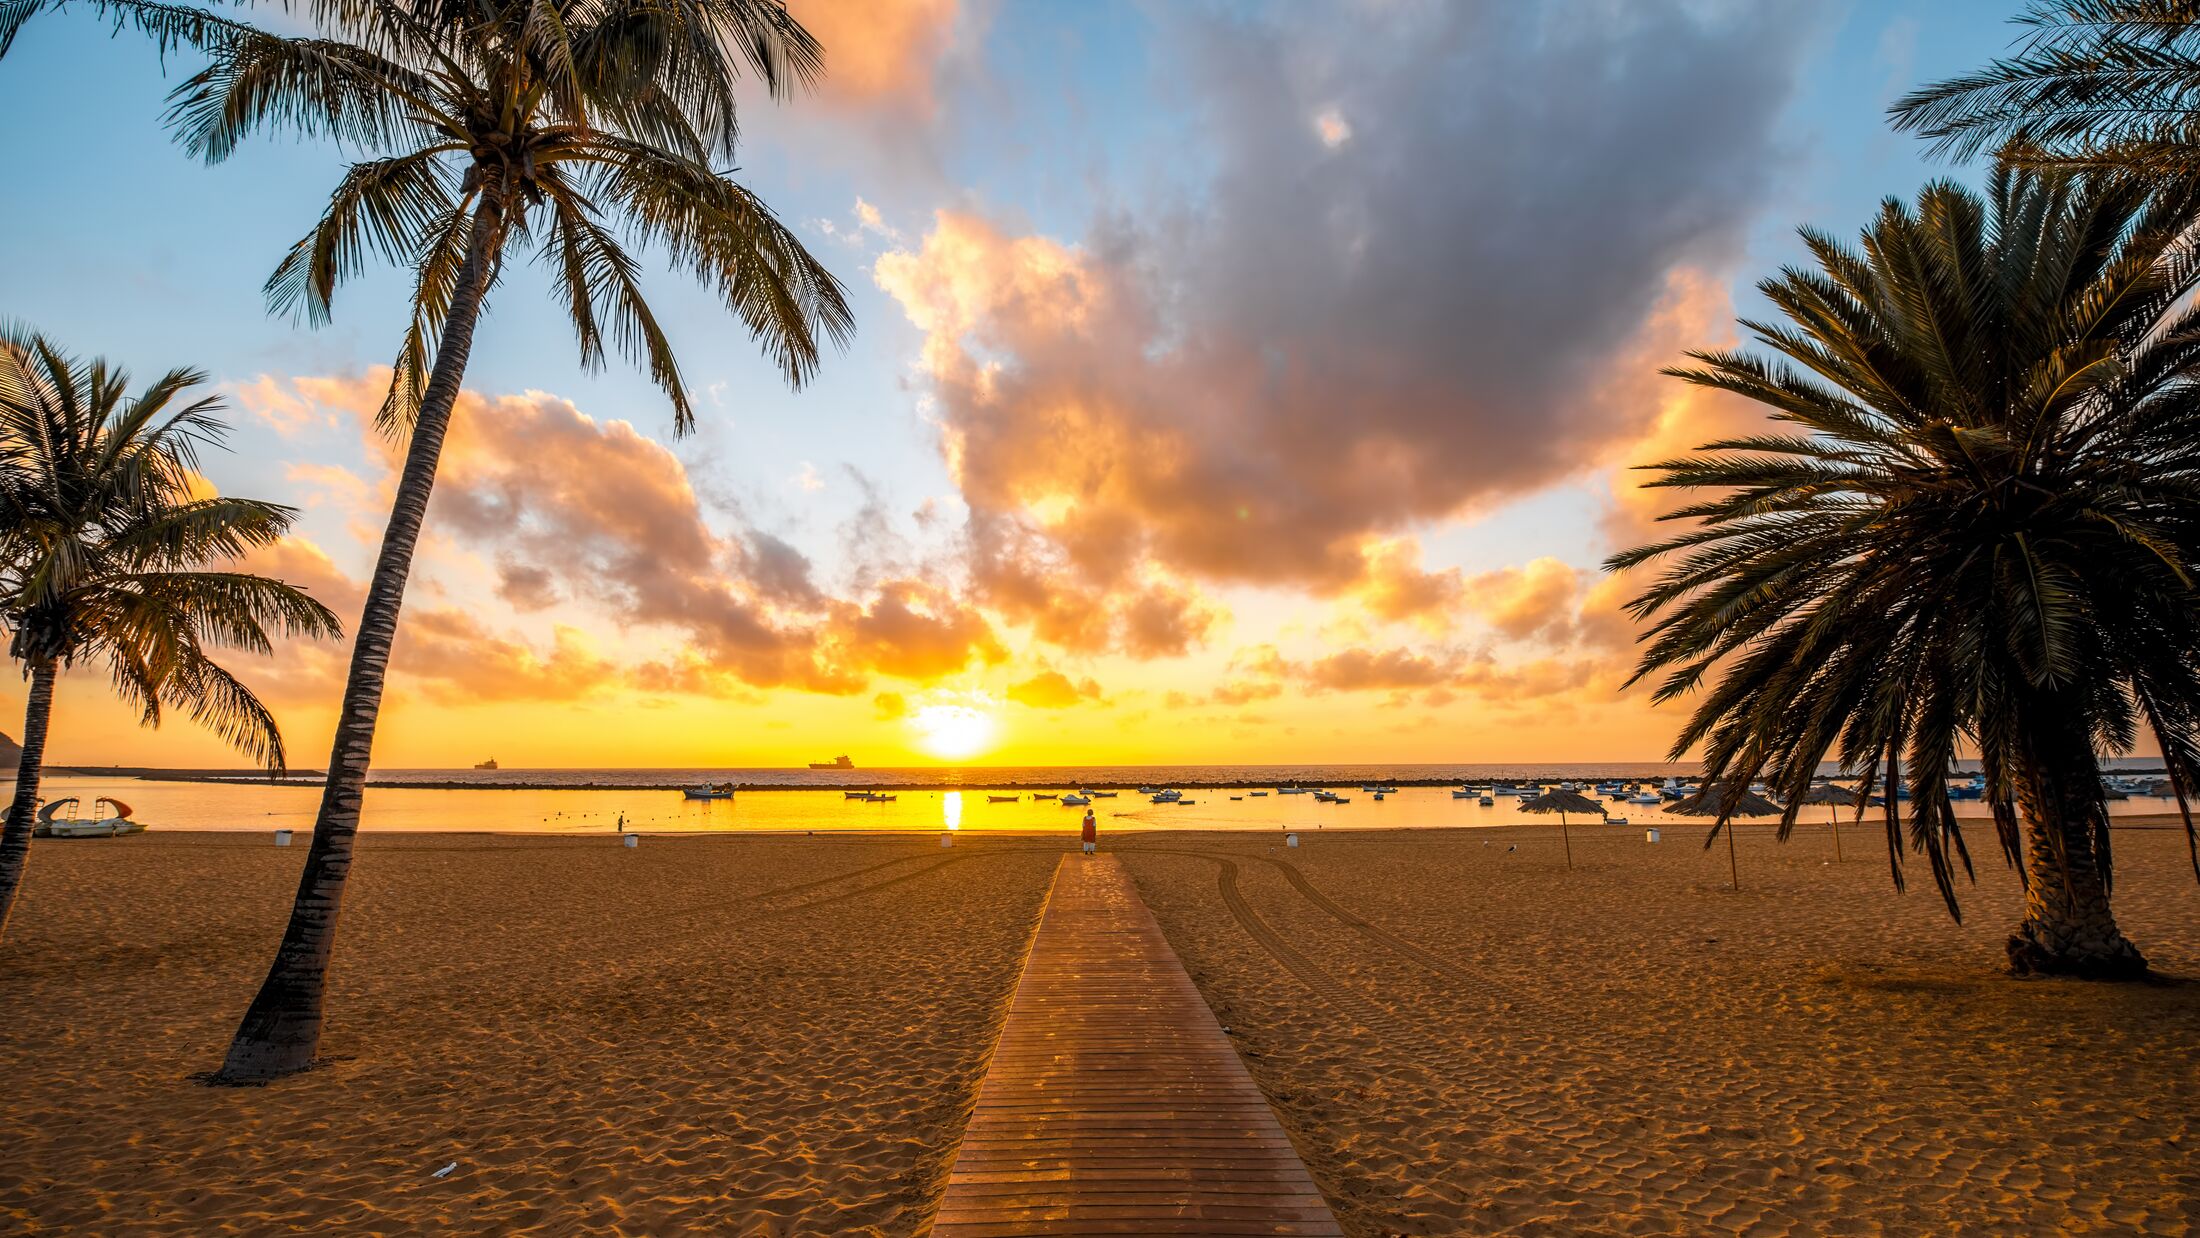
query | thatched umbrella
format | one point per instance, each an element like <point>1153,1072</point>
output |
<point>1835,795</point>
<point>1720,802</point>
<point>1562,802</point>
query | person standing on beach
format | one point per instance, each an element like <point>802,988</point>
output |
<point>1092,833</point>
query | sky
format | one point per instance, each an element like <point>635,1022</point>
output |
<point>1232,383</point>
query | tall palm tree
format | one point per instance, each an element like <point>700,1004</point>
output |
<point>1986,533</point>
<point>494,127</point>
<point>2097,84</point>
<point>109,555</point>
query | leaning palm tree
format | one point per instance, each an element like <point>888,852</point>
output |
<point>109,555</point>
<point>494,128</point>
<point>2097,84</point>
<point>1985,535</point>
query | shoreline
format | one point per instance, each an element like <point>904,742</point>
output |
<point>979,783</point>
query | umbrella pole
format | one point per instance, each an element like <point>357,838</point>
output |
<point>1568,838</point>
<point>1733,865</point>
<point>1833,814</point>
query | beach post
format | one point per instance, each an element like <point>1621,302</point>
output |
<point>1291,839</point>
<point>282,838</point>
<point>1650,835</point>
<point>632,840</point>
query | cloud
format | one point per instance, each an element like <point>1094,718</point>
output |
<point>880,54</point>
<point>1349,329</point>
<point>912,631</point>
<point>1053,690</point>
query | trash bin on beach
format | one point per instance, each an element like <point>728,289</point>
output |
<point>947,840</point>
<point>1650,835</point>
<point>1291,839</point>
<point>282,838</point>
<point>632,840</point>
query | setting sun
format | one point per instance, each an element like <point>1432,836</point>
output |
<point>953,732</point>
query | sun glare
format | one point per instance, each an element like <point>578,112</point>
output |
<point>952,732</point>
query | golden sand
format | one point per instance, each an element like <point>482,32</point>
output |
<point>1466,1039</point>
<point>773,1035</point>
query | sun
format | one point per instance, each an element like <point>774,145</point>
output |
<point>953,732</point>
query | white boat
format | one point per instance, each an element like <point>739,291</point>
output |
<point>1612,820</point>
<point>1149,790</point>
<point>1076,801</point>
<point>722,791</point>
<point>874,797</point>
<point>1647,797</point>
<point>52,825</point>
<point>1101,795</point>
<point>1526,793</point>
<point>1291,790</point>
<point>1462,795</point>
<point>1167,797</point>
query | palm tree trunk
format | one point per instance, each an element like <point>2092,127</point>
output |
<point>282,1028</point>
<point>15,837</point>
<point>2068,928</point>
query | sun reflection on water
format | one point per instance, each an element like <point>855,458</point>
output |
<point>951,810</point>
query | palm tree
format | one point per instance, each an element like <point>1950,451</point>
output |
<point>1985,535</point>
<point>106,556</point>
<point>494,128</point>
<point>2098,84</point>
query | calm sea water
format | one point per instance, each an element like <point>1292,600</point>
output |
<point>926,800</point>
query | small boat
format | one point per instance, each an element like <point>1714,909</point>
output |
<point>491,763</point>
<point>1167,797</point>
<point>1076,801</point>
<point>1486,802</point>
<point>1002,799</point>
<point>874,797</point>
<point>709,791</point>
<point>1237,797</point>
<point>1257,794</point>
<point>1611,820</point>
<point>1462,795</point>
<point>853,795</point>
<point>1149,790</point>
<point>1291,790</point>
<point>835,763</point>
<point>52,825</point>
<point>1049,795</point>
<point>1647,797</point>
<point>1102,795</point>
<point>1378,797</point>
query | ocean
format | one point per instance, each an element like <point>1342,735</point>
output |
<point>925,799</point>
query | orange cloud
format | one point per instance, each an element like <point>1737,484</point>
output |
<point>1053,690</point>
<point>879,53</point>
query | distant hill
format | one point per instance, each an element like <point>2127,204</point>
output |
<point>11,755</point>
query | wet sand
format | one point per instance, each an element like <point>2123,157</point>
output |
<point>1466,1039</point>
<point>781,1035</point>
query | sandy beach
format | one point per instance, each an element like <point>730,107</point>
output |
<point>781,1035</point>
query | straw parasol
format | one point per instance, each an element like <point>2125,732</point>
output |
<point>1724,803</point>
<point>1837,796</point>
<point>1562,801</point>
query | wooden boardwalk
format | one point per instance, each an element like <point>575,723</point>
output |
<point>1114,1104</point>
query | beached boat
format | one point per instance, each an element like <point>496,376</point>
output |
<point>835,763</point>
<point>51,824</point>
<point>709,791</point>
<point>1612,820</point>
<point>1002,799</point>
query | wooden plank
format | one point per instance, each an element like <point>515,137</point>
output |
<point>1113,1103</point>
